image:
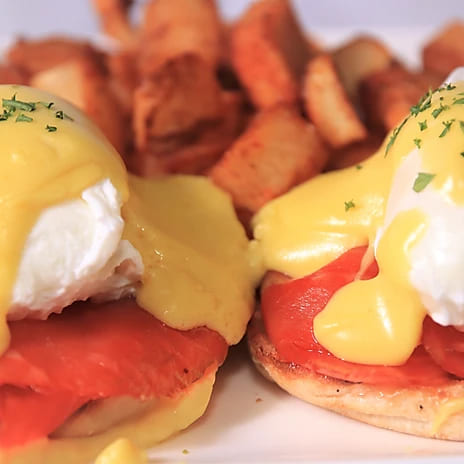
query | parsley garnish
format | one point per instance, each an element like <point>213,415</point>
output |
<point>462,154</point>
<point>61,115</point>
<point>417,142</point>
<point>359,166</point>
<point>395,133</point>
<point>436,112</point>
<point>447,125</point>
<point>46,105</point>
<point>423,125</point>
<point>423,104</point>
<point>461,125</point>
<point>450,87</point>
<point>23,118</point>
<point>50,128</point>
<point>422,180</point>
<point>349,204</point>
<point>14,104</point>
<point>5,115</point>
<point>459,101</point>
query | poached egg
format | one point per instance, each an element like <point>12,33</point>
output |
<point>406,203</point>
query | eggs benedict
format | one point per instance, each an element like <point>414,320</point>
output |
<point>119,296</point>
<point>362,307</point>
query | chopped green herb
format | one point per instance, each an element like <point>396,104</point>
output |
<point>423,125</point>
<point>461,125</point>
<point>14,104</point>
<point>447,125</point>
<point>394,135</point>
<point>450,87</point>
<point>417,142</point>
<point>459,101</point>
<point>5,115</point>
<point>359,166</point>
<point>46,105</point>
<point>442,98</point>
<point>436,112</point>
<point>50,128</point>
<point>422,180</point>
<point>462,154</point>
<point>423,104</point>
<point>61,115</point>
<point>349,204</point>
<point>23,118</point>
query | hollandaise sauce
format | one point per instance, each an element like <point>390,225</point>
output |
<point>195,254</point>
<point>377,321</point>
<point>50,153</point>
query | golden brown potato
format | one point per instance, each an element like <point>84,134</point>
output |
<point>196,152</point>
<point>388,95</point>
<point>34,56</point>
<point>85,85</point>
<point>269,53</point>
<point>445,51</point>
<point>176,28</point>
<point>181,96</point>
<point>10,74</point>
<point>277,151</point>
<point>358,58</point>
<point>123,77</point>
<point>328,105</point>
<point>114,20</point>
<point>355,153</point>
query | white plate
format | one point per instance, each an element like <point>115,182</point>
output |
<point>251,420</point>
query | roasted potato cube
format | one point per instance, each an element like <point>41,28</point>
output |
<point>269,53</point>
<point>85,85</point>
<point>10,74</point>
<point>123,77</point>
<point>196,152</point>
<point>387,96</point>
<point>357,59</point>
<point>115,22</point>
<point>357,152</point>
<point>277,151</point>
<point>181,96</point>
<point>34,56</point>
<point>446,51</point>
<point>328,105</point>
<point>173,28</point>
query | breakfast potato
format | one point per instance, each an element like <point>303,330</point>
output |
<point>123,77</point>
<point>445,51</point>
<point>181,96</point>
<point>34,56</point>
<point>358,58</point>
<point>388,95</point>
<point>10,74</point>
<point>175,28</point>
<point>328,106</point>
<point>277,151</point>
<point>269,53</point>
<point>357,152</point>
<point>115,22</point>
<point>194,153</point>
<point>85,84</point>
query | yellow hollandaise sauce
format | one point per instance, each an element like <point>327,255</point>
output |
<point>50,153</point>
<point>166,418</point>
<point>377,321</point>
<point>121,451</point>
<point>195,254</point>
